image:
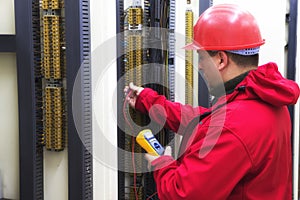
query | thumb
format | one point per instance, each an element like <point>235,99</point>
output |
<point>135,88</point>
<point>168,151</point>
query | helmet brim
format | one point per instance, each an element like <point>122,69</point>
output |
<point>195,46</point>
<point>192,46</point>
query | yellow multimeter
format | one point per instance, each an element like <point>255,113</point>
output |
<point>146,139</point>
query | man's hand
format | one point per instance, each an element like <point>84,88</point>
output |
<point>131,93</point>
<point>150,158</point>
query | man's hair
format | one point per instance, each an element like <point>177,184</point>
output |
<point>240,60</point>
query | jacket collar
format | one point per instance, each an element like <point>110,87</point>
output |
<point>228,87</point>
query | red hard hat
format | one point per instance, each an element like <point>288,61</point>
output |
<point>225,27</point>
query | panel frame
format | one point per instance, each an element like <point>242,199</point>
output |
<point>203,94</point>
<point>77,18</point>
<point>78,61</point>
<point>7,43</point>
<point>26,100</point>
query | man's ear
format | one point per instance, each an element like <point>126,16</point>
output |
<point>223,60</point>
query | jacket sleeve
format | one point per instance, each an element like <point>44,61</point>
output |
<point>211,175</point>
<point>172,115</point>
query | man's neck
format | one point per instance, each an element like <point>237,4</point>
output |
<point>228,86</point>
<point>236,71</point>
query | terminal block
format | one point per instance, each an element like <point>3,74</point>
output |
<point>135,18</point>
<point>51,47</point>
<point>54,129</point>
<point>134,57</point>
<point>50,4</point>
<point>189,17</point>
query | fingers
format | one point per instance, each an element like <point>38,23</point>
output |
<point>150,158</point>
<point>137,90</point>
<point>129,88</point>
<point>168,151</point>
<point>126,88</point>
<point>131,102</point>
<point>133,87</point>
<point>131,92</point>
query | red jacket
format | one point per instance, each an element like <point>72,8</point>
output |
<point>240,150</point>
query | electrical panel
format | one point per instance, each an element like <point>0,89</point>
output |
<point>49,77</point>
<point>148,60</point>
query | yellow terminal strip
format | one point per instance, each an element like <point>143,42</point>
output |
<point>134,57</point>
<point>54,119</point>
<point>46,45</point>
<point>58,119</point>
<point>189,83</point>
<point>50,4</point>
<point>56,48</point>
<point>48,117</point>
<point>135,18</point>
<point>51,44</point>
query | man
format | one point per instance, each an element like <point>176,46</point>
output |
<point>240,147</point>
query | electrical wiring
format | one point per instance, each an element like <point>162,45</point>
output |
<point>148,26</point>
<point>132,143</point>
<point>132,148</point>
<point>124,110</point>
<point>152,195</point>
<point>134,169</point>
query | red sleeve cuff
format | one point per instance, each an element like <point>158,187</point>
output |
<point>139,105</point>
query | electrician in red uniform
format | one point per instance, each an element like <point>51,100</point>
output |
<point>240,147</point>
